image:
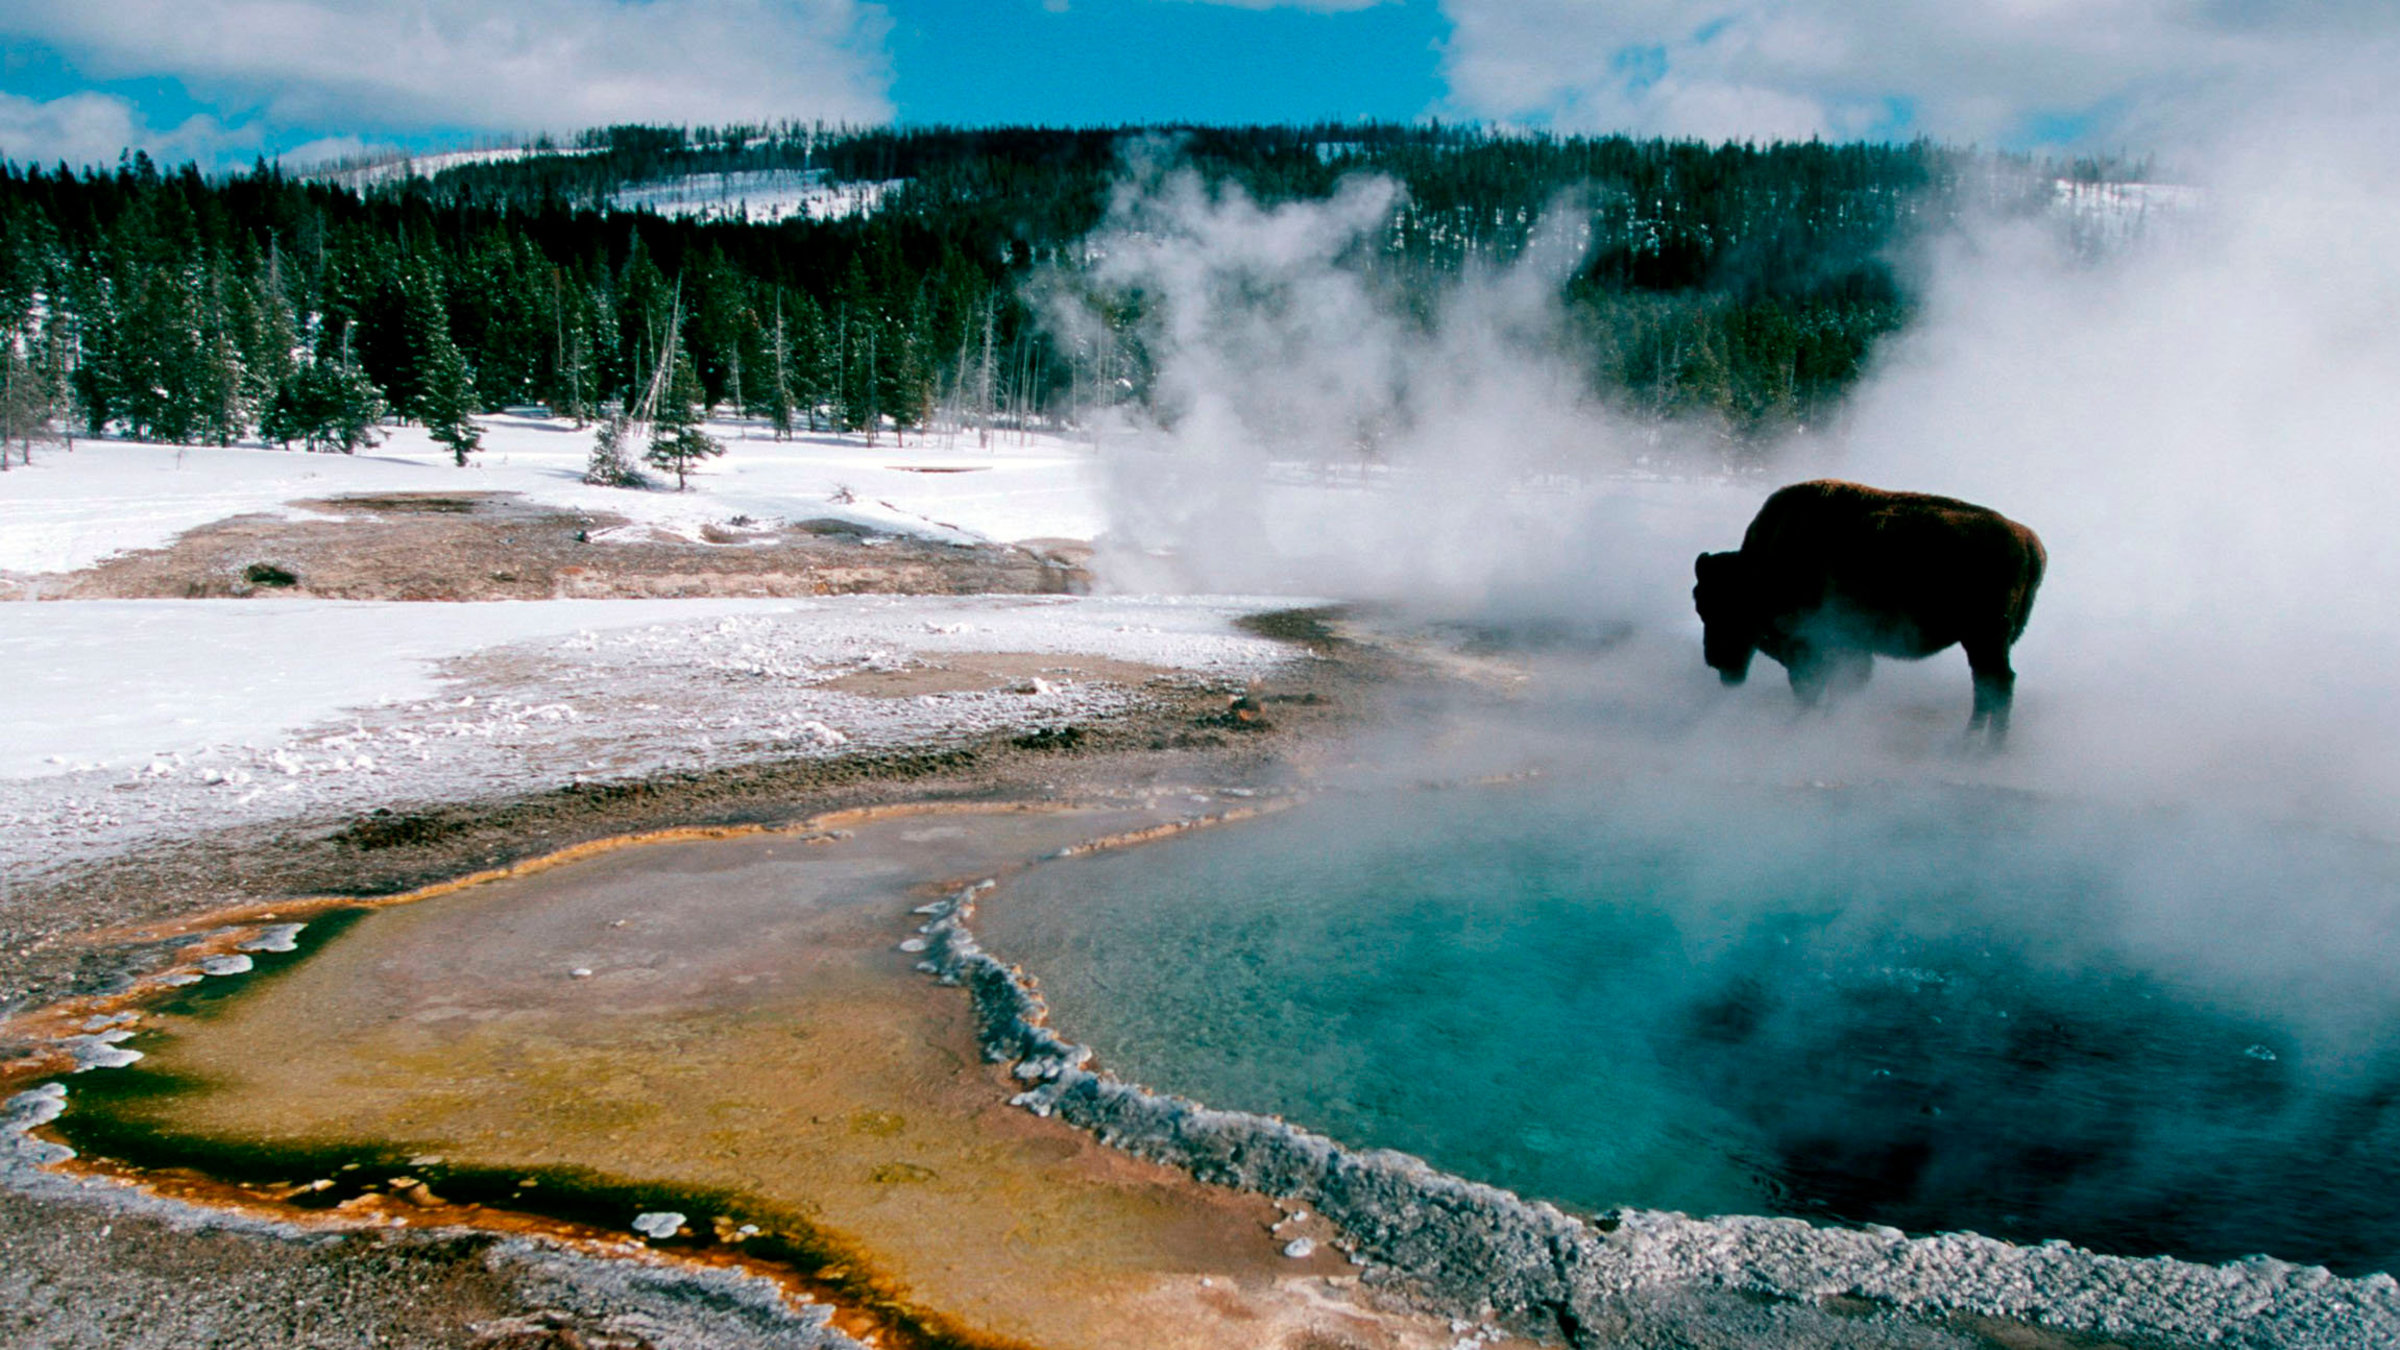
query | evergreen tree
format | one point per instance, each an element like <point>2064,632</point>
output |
<point>29,405</point>
<point>327,403</point>
<point>609,465</point>
<point>445,400</point>
<point>268,333</point>
<point>1740,285</point>
<point>447,404</point>
<point>779,378</point>
<point>164,357</point>
<point>677,442</point>
<point>221,412</point>
<point>816,363</point>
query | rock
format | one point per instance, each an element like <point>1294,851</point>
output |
<point>1300,1248</point>
<point>226,965</point>
<point>101,1051</point>
<point>280,937</point>
<point>658,1224</point>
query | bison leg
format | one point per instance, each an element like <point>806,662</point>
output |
<point>1995,686</point>
<point>1847,671</point>
<point>1806,668</point>
<point>1820,674</point>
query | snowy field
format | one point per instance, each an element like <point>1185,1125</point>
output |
<point>760,196</point>
<point>71,509</point>
<point>131,722</point>
<point>138,721</point>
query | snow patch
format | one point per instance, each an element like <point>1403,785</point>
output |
<point>277,937</point>
<point>658,1224</point>
<point>67,510</point>
<point>759,196</point>
<point>139,721</point>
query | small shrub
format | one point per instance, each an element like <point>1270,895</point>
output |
<point>1051,738</point>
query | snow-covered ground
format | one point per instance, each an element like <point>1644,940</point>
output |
<point>760,196</point>
<point>70,509</point>
<point>2117,213</point>
<point>361,175</point>
<point>137,721</point>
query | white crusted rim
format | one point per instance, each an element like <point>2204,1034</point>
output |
<point>1462,1243</point>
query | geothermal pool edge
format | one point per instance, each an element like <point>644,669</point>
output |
<point>1463,1245</point>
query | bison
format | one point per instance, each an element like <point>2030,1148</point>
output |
<point>1831,575</point>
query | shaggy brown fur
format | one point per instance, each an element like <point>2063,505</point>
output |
<point>1831,575</point>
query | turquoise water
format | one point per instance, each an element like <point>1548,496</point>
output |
<point>1939,1008</point>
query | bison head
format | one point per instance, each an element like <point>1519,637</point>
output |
<point>1728,614</point>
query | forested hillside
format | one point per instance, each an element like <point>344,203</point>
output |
<point>1739,284</point>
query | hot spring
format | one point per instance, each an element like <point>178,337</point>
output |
<point>1933,1007</point>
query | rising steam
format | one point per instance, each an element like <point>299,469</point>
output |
<point>2204,425</point>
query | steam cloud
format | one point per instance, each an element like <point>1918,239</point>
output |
<point>1312,439</point>
<point>2204,427</point>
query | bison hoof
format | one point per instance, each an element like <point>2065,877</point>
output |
<point>1731,678</point>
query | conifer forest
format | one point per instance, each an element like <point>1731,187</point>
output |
<point>1741,286</point>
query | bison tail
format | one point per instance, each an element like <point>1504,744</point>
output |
<point>2029,580</point>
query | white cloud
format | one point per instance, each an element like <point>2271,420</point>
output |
<point>2080,72</point>
<point>500,65</point>
<point>93,128</point>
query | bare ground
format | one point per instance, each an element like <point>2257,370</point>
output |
<point>81,1274</point>
<point>498,546</point>
<point>76,1273</point>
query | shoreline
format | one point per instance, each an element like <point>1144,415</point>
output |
<point>1462,1244</point>
<point>93,1261</point>
<point>1437,1240</point>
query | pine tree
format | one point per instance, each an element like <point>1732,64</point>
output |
<point>221,412</point>
<point>677,442</point>
<point>28,404</point>
<point>327,404</point>
<point>353,406</point>
<point>447,405</point>
<point>779,394</point>
<point>445,400</point>
<point>268,334</point>
<point>166,357</point>
<point>733,385</point>
<point>609,466</point>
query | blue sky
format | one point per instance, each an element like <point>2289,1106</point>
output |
<point>1110,61</point>
<point>223,80</point>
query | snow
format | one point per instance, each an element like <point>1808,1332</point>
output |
<point>359,177</point>
<point>760,196</point>
<point>138,721</point>
<point>71,509</point>
<point>658,1225</point>
<point>122,684</point>
<point>2116,213</point>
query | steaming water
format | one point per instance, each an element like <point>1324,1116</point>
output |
<point>1936,1008</point>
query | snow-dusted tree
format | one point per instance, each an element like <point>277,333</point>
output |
<point>326,404</point>
<point>610,465</point>
<point>447,404</point>
<point>677,442</point>
<point>445,400</point>
<point>354,406</point>
<point>29,404</point>
<point>779,391</point>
